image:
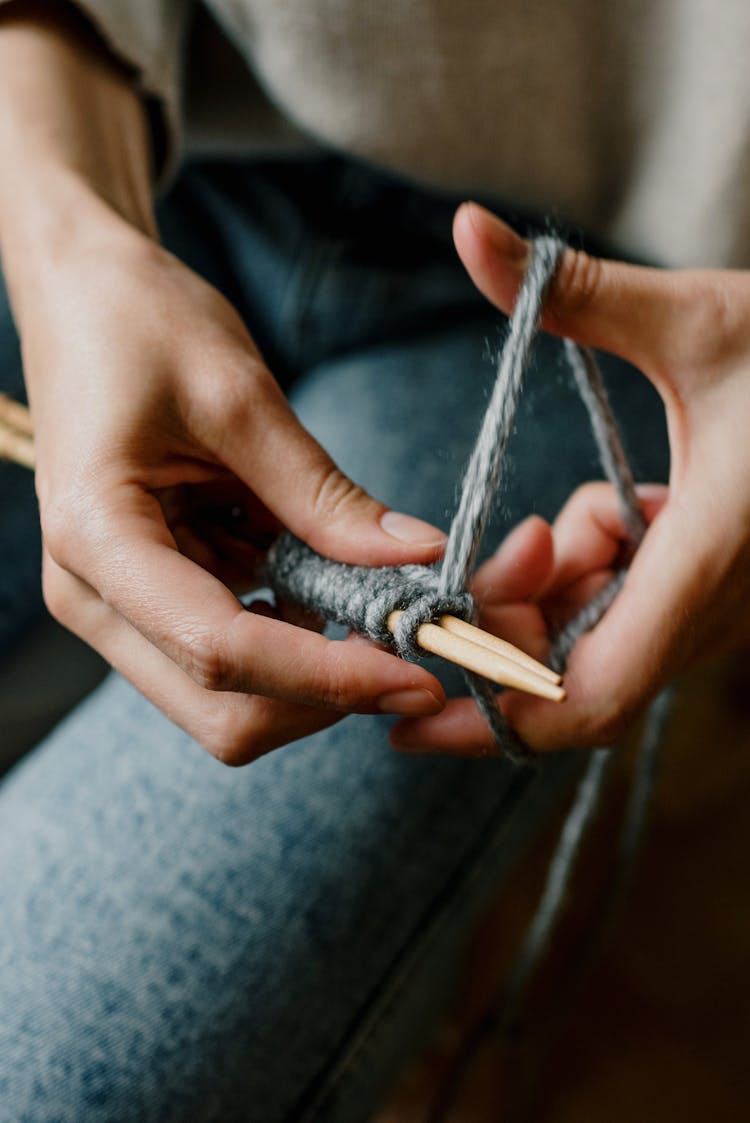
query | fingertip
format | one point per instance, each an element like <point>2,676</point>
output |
<point>378,537</point>
<point>522,565</point>
<point>408,530</point>
<point>473,221</point>
<point>652,498</point>
<point>462,221</point>
<point>538,723</point>
<point>494,256</point>
<point>533,543</point>
<point>460,730</point>
<point>411,734</point>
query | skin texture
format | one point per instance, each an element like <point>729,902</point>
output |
<point>142,457</point>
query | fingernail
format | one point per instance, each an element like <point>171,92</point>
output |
<point>409,703</point>
<point>414,531</point>
<point>652,491</point>
<point>504,239</point>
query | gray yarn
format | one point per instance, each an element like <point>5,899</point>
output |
<point>612,456</point>
<point>361,597</point>
<point>482,475</point>
<point>559,874</point>
<point>588,617</point>
<point>581,814</point>
<point>642,792</point>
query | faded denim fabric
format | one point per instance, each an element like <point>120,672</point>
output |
<point>182,942</point>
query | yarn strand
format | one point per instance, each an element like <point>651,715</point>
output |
<point>590,385</point>
<point>482,475</point>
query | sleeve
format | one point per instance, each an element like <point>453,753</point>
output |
<point>148,36</point>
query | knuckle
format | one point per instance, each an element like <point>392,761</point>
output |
<point>243,396</point>
<point>334,495</point>
<point>340,685</point>
<point>230,403</point>
<point>205,657</point>
<point>58,530</point>
<point>56,594</point>
<point>606,725</point>
<point>336,687</point>
<point>72,529</point>
<point>577,282</point>
<point>233,741</point>
<point>593,489</point>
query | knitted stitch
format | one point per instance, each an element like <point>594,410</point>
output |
<point>362,597</point>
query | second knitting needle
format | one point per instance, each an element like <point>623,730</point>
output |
<point>480,659</point>
<point>467,631</point>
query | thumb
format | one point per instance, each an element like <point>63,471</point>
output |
<point>657,319</point>
<point>301,485</point>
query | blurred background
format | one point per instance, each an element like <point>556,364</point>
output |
<point>652,1020</point>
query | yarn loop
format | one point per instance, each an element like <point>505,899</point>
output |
<point>363,597</point>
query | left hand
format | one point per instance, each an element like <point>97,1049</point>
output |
<point>687,594</point>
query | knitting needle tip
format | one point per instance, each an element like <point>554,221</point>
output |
<point>482,660</point>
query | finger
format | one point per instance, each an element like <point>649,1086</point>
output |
<point>589,533</point>
<point>561,607</point>
<point>235,728</point>
<point>520,568</point>
<point>261,440</point>
<point>460,730</point>
<point>663,321</point>
<point>195,620</point>
<point>237,563</point>
<point>649,634</point>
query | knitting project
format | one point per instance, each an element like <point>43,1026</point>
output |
<point>362,597</point>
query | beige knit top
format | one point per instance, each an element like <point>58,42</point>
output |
<point>628,117</point>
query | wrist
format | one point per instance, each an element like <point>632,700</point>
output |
<point>74,142</point>
<point>59,221</point>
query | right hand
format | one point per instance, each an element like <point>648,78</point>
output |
<point>152,408</point>
<point>150,404</point>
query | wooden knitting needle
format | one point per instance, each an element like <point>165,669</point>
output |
<point>481,659</point>
<point>15,415</point>
<point>501,646</point>
<point>453,639</point>
<point>16,447</point>
<point>16,442</point>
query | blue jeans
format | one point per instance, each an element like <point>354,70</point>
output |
<point>184,942</point>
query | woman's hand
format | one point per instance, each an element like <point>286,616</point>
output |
<point>167,460</point>
<point>687,594</point>
<point>167,455</point>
